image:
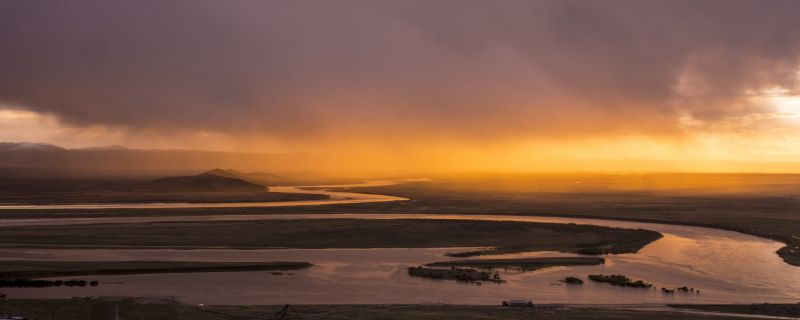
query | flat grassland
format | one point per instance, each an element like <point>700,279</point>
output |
<point>498,236</point>
<point>133,308</point>
<point>39,269</point>
<point>71,191</point>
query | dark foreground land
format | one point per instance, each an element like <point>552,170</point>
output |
<point>153,309</point>
<point>769,309</point>
<point>39,269</point>
<point>498,237</point>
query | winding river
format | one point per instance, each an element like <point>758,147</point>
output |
<point>726,266</point>
<point>334,197</point>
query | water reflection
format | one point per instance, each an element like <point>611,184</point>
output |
<point>727,267</point>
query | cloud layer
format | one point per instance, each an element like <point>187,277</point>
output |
<point>462,69</point>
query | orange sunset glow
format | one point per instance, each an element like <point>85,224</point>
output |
<point>529,87</point>
<point>399,159</point>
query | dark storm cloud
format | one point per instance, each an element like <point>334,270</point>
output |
<point>283,67</point>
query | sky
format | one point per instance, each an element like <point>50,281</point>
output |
<point>413,85</point>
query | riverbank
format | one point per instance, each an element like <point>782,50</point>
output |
<point>497,237</point>
<point>522,263</point>
<point>41,269</point>
<point>162,309</point>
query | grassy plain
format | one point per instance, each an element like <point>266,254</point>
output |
<point>498,236</point>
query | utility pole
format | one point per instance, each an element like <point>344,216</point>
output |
<point>116,312</point>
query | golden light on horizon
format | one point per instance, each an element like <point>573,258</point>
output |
<point>393,89</point>
<point>787,105</point>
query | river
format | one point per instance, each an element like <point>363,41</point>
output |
<point>726,266</point>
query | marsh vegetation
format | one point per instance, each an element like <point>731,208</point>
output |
<point>40,269</point>
<point>572,280</point>
<point>34,283</point>
<point>457,274</point>
<point>619,280</point>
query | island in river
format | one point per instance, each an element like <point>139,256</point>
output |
<point>495,237</point>
<point>521,263</point>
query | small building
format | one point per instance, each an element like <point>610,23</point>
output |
<point>518,303</point>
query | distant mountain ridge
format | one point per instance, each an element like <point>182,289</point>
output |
<point>229,179</point>
<point>26,159</point>
<point>28,146</point>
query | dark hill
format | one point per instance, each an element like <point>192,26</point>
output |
<point>271,179</point>
<point>260,178</point>
<point>293,178</point>
<point>230,173</point>
<point>208,181</point>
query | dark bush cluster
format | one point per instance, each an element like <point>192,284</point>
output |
<point>619,280</point>
<point>33,283</point>
<point>572,280</point>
